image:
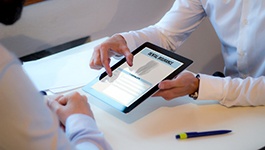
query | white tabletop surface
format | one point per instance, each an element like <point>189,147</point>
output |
<point>154,123</point>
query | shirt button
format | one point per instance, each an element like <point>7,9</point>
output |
<point>244,76</point>
<point>245,21</point>
<point>241,53</point>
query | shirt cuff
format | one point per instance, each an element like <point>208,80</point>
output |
<point>78,122</point>
<point>210,88</point>
<point>83,133</point>
<point>129,40</point>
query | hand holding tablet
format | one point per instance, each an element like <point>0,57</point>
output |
<point>130,86</point>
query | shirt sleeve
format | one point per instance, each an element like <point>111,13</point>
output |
<point>28,123</point>
<point>173,29</point>
<point>232,91</point>
<point>83,133</point>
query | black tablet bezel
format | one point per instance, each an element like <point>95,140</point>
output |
<point>186,62</point>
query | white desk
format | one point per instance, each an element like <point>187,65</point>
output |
<point>154,124</point>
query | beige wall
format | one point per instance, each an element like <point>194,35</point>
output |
<point>55,22</point>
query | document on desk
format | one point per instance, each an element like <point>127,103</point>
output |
<point>65,70</point>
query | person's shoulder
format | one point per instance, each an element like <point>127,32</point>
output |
<point>5,56</point>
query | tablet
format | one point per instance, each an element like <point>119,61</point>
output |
<point>130,86</point>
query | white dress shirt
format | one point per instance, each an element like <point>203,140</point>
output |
<point>239,24</point>
<point>26,121</point>
<point>233,91</point>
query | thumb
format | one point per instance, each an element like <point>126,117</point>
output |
<point>166,84</point>
<point>54,105</point>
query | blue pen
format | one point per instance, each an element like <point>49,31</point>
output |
<point>186,135</point>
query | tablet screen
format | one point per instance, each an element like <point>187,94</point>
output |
<point>129,86</point>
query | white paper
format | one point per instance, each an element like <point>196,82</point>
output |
<point>65,70</point>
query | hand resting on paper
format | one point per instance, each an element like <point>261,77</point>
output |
<point>67,105</point>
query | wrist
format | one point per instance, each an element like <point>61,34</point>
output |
<point>195,94</point>
<point>120,38</point>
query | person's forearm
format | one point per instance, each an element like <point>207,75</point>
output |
<point>138,37</point>
<point>233,92</point>
<point>172,30</point>
<point>83,133</point>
